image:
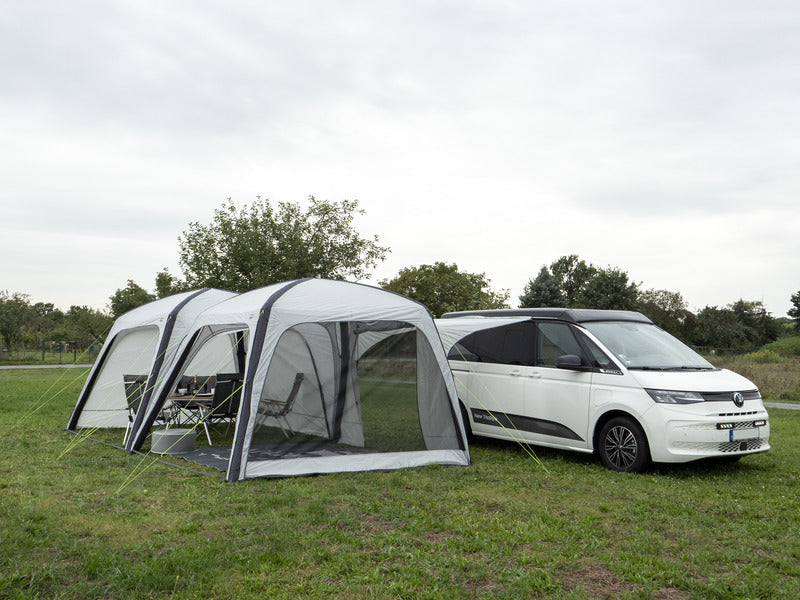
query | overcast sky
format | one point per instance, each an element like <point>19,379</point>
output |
<point>661,138</point>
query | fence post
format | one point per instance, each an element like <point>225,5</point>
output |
<point>42,351</point>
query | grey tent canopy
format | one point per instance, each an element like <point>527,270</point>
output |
<point>143,342</point>
<point>329,376</point>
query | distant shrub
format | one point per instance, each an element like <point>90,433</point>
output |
<point>787,346</point>
<point>764,355</point>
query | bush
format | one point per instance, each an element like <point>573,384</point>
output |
<point>787,346</point>
<point>765,355</point>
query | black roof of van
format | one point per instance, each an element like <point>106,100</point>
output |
<point>573,315</point>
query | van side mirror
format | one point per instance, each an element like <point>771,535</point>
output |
<point>570,361</point>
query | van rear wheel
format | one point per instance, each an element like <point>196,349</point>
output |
<point>623,446</point>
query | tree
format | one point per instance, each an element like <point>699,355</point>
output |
<point>443,288</point>
<point>86,325</point>
<point>543,292</point>
<point>794,312</point>
<point>250,247</point>
<point>15,314</point>
<point>755,317</point>
<point>666,309</point>
<point>719,328</point>
<point>572,283</point>
<point>128,298</point>
<point>741,326</point>
<point>572,275</point>
<point>167,284</point>
<point>608,289</point>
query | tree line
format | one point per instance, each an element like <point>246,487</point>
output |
<point>248,247</point>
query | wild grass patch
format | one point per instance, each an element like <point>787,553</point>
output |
<point>776,375</point>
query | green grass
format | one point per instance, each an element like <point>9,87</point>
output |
<point>501,528</point>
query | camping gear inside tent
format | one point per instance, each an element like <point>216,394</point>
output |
<point>139,345</point>
<point>338,376</point>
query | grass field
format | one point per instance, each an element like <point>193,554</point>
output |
<point>504,527</point>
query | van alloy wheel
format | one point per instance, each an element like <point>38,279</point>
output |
<point>623,446</point>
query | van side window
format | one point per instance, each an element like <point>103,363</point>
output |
<point>554,340</point>
<point>509,345</point>
<point>599,357</point>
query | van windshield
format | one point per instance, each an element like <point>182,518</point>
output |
<point>646,347</point>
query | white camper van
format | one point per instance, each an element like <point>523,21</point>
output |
<point>602,381</point>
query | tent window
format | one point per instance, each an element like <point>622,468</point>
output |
<point>344,388</point>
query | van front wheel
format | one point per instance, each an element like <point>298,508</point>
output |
<point>623,446</point>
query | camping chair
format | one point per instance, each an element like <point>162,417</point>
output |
<point>225,404</point>
<point>278,409</point>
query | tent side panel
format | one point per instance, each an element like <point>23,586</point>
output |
<point>166,340</point>
<point>438,419</point>
<point>245,422</point>
<point>132,353</point>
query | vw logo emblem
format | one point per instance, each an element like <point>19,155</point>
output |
<point>738,399</point>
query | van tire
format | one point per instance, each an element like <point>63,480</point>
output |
<point>622,446</point>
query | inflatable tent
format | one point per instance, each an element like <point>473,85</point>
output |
<point>325,376</point>
<point>139,345</point>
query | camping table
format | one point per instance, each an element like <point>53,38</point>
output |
<point>189,409</point>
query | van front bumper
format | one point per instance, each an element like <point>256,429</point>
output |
<point>687,435</point>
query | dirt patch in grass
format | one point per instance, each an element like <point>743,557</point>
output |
<point>598,582</point>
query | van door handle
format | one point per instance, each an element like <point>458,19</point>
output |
<point>515,373</point>
<point>535,375</point>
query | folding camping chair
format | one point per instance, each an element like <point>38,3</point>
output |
<point>278,409</point>
<point>225,404</point>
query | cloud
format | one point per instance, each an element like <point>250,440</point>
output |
<point>498,135</point>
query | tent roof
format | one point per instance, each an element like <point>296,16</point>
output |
<point>317,299</point>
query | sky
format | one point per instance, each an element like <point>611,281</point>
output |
<point>660,138</point>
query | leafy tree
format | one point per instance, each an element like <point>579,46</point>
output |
<point>755,317</point>
<point>794,312</point>
<point>741,326</point>
<point>720,328</point>
<point>86,325</point>
<point>443,288</point>
<point>571,282</point>
<point>250,247</point>
<point>15,314</point>
<point>128,298</point>
<point>666,309</point>
<point>167,284</point>
<point>543,292</point>
<point>608,289</point>
<point>572,275</point>
<point>48,317</point>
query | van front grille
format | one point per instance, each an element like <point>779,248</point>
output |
<point>740,414</point>
<point>741,446</point>
<point>728,396</point>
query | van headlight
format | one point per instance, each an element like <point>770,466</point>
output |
<point>675,397</point>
